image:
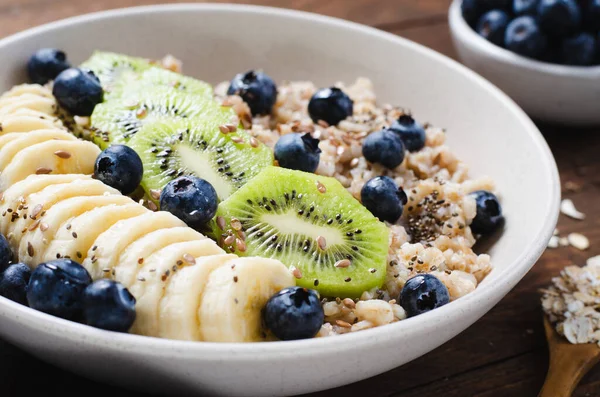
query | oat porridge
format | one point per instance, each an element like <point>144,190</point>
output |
<point>253,211</point>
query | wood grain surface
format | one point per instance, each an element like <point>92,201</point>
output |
<point>504,353</point>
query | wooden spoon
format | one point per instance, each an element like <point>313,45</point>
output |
<point>568,363</point>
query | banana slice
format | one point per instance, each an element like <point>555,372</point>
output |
<point>34,89</point>
<point>178,308</point>
<point>149,286</point>
<point>109,245</point>
<point>35,241</point>
<point>27,122</point>
<point>15,198</point>
<point>231,305</point>
<point>94,223</point>
<point>43,200</point>
<point>11,144</point>
<point>28,101</point>
<point>44,158</point>
<point>129,264</point>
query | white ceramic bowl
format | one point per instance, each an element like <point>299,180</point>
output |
<point>216,41</point>
<point>549,92</point>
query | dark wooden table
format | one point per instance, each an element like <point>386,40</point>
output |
<point>504,353</point>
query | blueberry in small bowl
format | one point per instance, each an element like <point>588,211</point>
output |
<point>548,61</point>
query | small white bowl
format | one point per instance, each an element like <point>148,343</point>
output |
<point>555,93</point>
<point>485,128</point>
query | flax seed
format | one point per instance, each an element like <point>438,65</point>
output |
<point>241,245</point>
<point>140,261</point>
<point>321,188</point>
<point>155,194</point>
<point>221,222</point>
<point>43,171</point>
<point>296,272</point>
<point>349,303</point>
<point>30,250</point>
<point>62,154</point>
<point>236,224</point>
<point>343,324</point>
<point>322,243</point>
<point>189,259</point>
<point>343,263</point>
<point>229,240</point>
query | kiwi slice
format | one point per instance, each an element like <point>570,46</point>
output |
<point>161,77</point>
<point>116,121</point>
<point>115,69</point>
<point>170,149</point>
<point>309,222</point>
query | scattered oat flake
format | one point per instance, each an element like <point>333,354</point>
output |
<point>594,261</point>
<point>578,241</point>
<point>553,243</point>
<point>573,186</point>
<point>567,207</point>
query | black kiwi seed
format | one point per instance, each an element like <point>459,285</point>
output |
<point>338,216</point>
<point>249,201</point>
<point>329,221</point>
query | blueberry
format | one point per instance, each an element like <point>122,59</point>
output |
<point>472,11</point>
<point>579,50</point>
<point>591,15</point>
<point>56,288</point>
<point>298,152</point>
<point>256,89</point>
<point>120,167</point>
<point>423,293</point>
<point>492,26</point>
<point>410,131</point>
<point>78,91</point>
<point>525,7</point>
<point>523,36</point>
<point>13,283</point>
<point>331,105</point>
<point>46,64</point>
<point>294,313</point>
<point>6,255</point>
<point>383,198</point>
<point>384,147</point>
<point>559,18</point>
<point>489,213</point>
<point>108,305</point>
<point>191,199</point>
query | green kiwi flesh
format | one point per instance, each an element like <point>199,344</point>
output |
<point>115,70</point>
<point>116,121</point>
<point>308,222</point>
<point>170,149</point>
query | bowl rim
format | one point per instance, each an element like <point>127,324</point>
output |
<point>250,352</point>
<point>466,34</point>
